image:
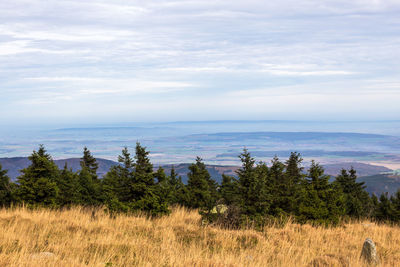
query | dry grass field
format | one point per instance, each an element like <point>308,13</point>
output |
<point>76,238</point>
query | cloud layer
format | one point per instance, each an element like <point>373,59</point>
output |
<point>67,60</point>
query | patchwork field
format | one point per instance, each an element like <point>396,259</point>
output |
<point>78,237</point>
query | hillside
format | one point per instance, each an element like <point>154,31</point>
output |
<point>77,238</point>
<point>376,184</point>
<point>14,165</point>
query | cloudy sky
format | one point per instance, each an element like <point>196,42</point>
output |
<point>118,60</point>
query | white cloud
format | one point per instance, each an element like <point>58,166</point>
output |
<point>197,53</point>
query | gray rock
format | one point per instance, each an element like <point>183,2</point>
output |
<point>368,253</point>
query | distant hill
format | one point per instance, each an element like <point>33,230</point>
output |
<point>381,183</point>
<point>14,165</point>
<point>362,169</point>
<point>215,171</point>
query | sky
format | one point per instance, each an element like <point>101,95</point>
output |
<point>113,60</point>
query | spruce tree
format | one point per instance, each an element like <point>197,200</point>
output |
<point>290,186</point>
<point>89,188</point>
<point>146,194</point>
<point>229,190</point>
<point>252,181</point>
<point>395,199</point>
<point>357,201</point>
<point>5,188</point>
<point>132,186</point>
<point>201,187</point>
<point>89,162</point>
<point>179,192</point>
<point>37,186</point>
<point>163,186</point>
<point>320,202</point>
<point>274,184</point>
<point>117,183</point>
<point>385,211</point>
<point>68,185</point>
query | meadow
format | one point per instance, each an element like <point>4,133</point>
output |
<point>80,237</point>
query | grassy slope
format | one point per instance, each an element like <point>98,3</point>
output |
<point>179,240</point>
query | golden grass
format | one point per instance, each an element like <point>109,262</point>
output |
<point>77,239</point>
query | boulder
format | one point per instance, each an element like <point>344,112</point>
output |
<point>368,253</point>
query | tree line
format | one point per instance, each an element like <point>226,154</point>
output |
<point>258,194</point>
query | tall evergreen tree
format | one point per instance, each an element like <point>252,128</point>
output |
<point>385,211</point>
<point>291,184</point>
<point>5,188</point>
<point>89,162</point>
<point>89,188</point>
<point>68,185</point>
<point>395,199</point>
<point>229,190</point>
<point>252,181</point>
<point>145,192</point>
<point>320,201</point>
<point>117,183</point>
<point>38,183</point>
<point>179,192</point>
<point>274,184</point>
<point>201,187</point>
<point>357,201</point>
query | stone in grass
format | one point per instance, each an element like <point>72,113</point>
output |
<point>368,253</point>
<point>43,255</point>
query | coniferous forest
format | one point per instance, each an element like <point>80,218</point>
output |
<point>259,194</point>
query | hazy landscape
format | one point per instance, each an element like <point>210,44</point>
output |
<point>220,142</point>
<point>372,153</point>
<point>200,133</point>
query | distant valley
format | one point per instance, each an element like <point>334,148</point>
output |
<point>372,148</point>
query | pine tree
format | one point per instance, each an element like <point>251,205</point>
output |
<point>131,186</point>
<point>89,162</point>
<point>252,181</point>
<point>385,211</point>
<point>89,188</point>
<point>375,205</point>
<point>117,183</point>
<point>5,188</point>
<point>229,190</point>
<point>179,192</point>
<point>357,201</point>
<point>290,186</point>
<point>274,184</point>
<point>201,187</point>
<point>68,186</point>
<point>163,186</point>
<point>146,193</point>
<point>395,199</point>
<point>37,185</point>
<point>117,180</point>
<point>320,202</point>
